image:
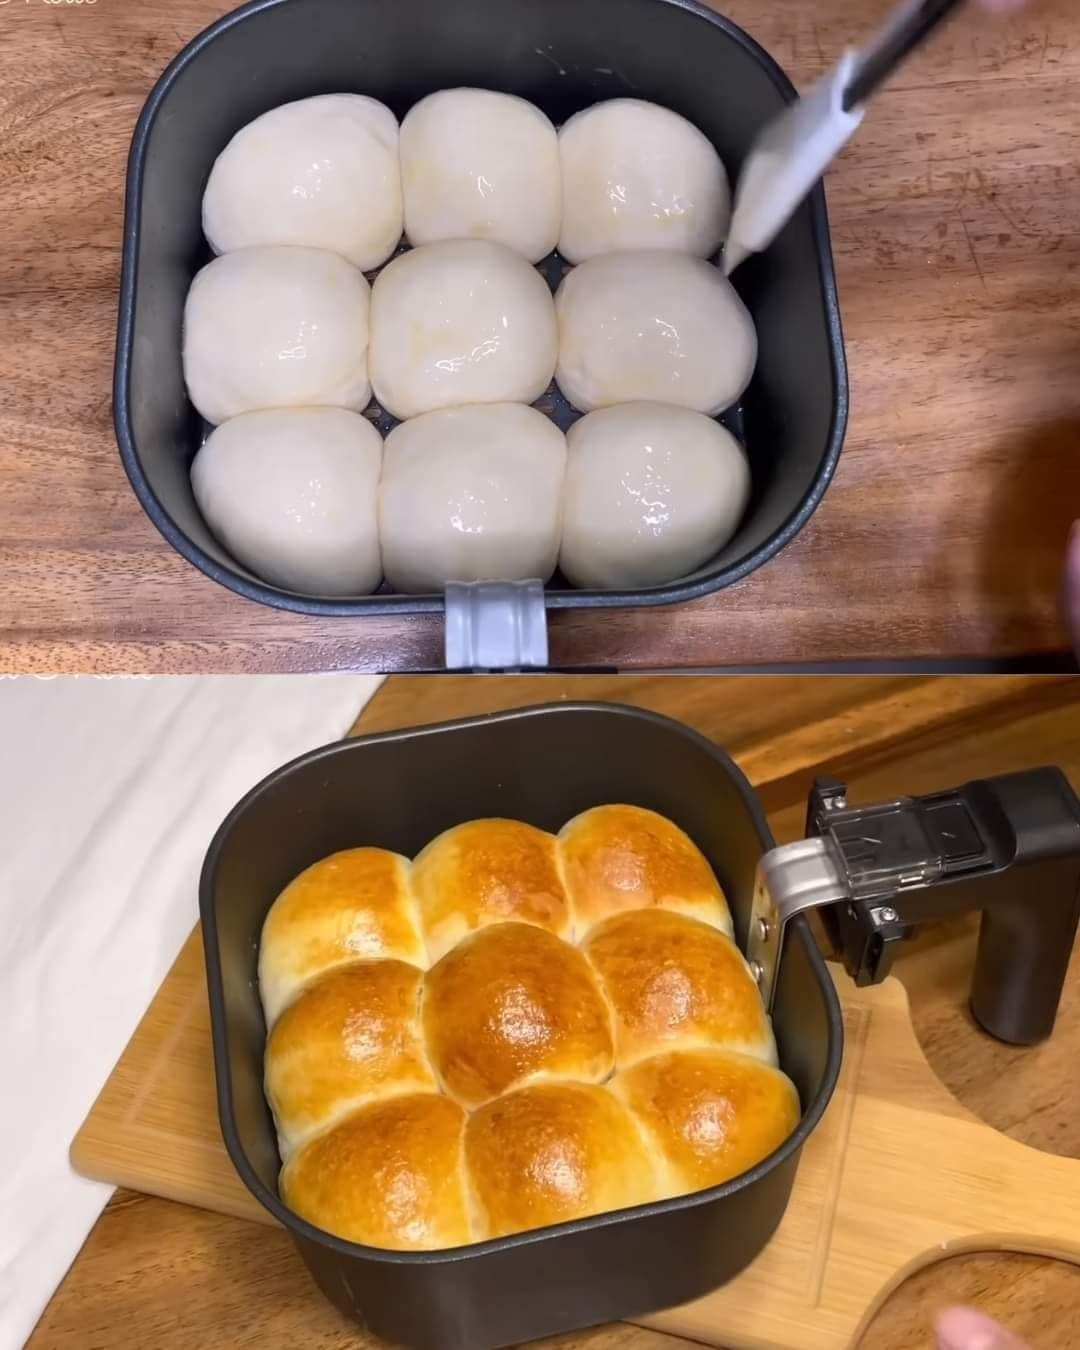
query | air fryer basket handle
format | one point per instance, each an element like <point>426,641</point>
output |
<point>1008,847</point>
<point>1029,916</point>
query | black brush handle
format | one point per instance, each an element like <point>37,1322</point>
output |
<point>898,43</point>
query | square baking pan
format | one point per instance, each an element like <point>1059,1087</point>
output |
<point>563,55</point>
<point>398,790</point>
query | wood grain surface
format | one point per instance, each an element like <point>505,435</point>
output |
<point>954,216</point>
<point>866,1209</point>
<point>161,1274</point>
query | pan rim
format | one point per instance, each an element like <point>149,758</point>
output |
<point>251,587</point>
<point>799,930</point>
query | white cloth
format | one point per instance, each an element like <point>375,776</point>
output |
<point>110,792</point>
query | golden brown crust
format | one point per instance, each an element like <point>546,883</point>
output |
<point>512,1003</point>
<point>709,1114</point>
<point>675,981</point>
<point>390,1175</point>
<point>352,1035</point>
<point>488,871</point>
<point>352,905</point>
<point>616,858</point>
<point>554,1152</point>
<point>379,1049</point>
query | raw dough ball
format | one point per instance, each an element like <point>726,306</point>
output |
<point>471,494</point>
<point>292,494</point>
<point>463,321</point>
<point>477,164</point>
<point>636,175</point>
<point>322,172</point>
<point>659,326</point>
<point>652,492</point>
<point>276,328</point>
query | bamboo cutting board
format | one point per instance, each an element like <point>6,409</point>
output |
<point>898,1174</point>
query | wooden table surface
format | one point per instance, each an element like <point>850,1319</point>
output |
<point>162,1275</point>
<point>955,226</point>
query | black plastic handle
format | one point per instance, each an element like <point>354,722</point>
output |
<point>1008,847</point>
<point>1030,916</point>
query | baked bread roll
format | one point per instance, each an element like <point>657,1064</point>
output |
<point>488,871</point>
<point>676,982</point>
<point>515,1030</point>
<point>390,1175</point>
<point>351,1036</point>
<point>616,858</point>
<point>354,904</point>
<point>513,1004</point>
<point>709,1115</point>
<point>554,1152</point>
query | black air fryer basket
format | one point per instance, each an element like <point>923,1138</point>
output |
<point>563,55</point>
<point>397,790</point>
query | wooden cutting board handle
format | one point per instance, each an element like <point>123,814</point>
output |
<point>897,1175</point>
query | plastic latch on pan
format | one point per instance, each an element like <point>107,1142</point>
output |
<point>496,625</point>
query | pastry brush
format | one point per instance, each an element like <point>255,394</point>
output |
<point>793,151</point>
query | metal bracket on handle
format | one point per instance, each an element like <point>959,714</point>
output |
<point>496,625</point>
<point>790,880</point>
